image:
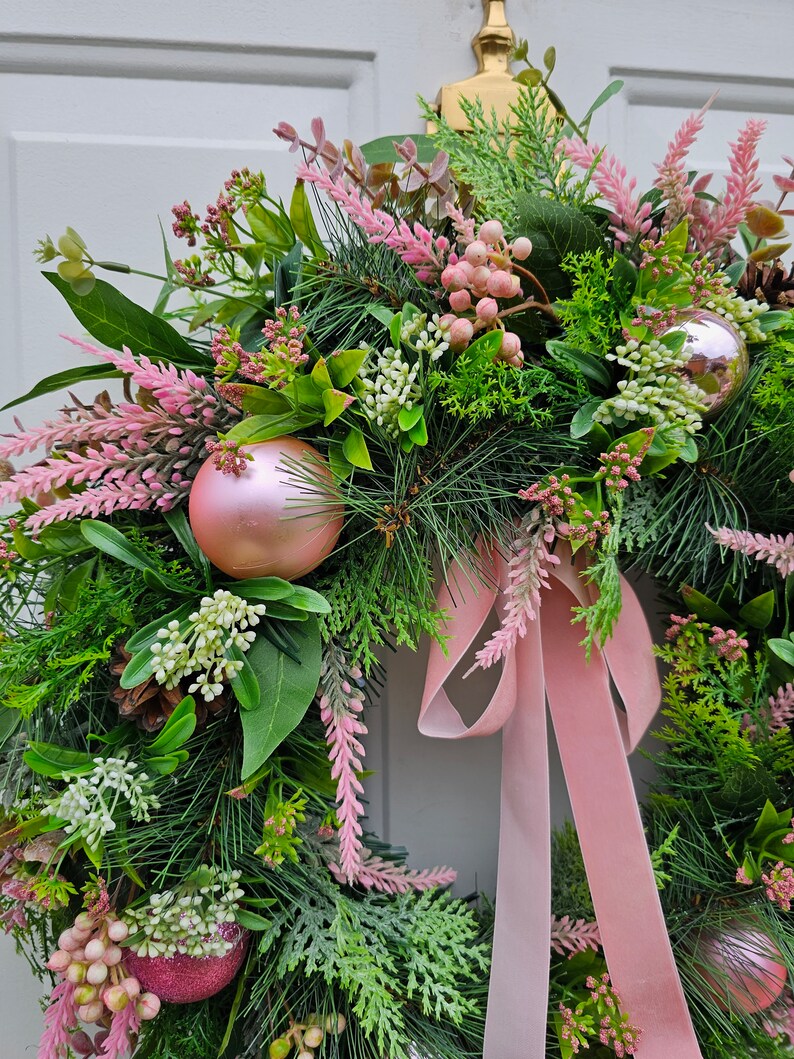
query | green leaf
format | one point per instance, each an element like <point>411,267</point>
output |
<point>418,432</point>
<point>261,400</point>
<point>302,221</point>
<point>307,599</point>
<point>556,230</point>
<point>589,365</point>
<point>341,468</point>
<point>138,669</point>
<point>486,346</point>
<point>146,636</point>
<point>735,271</point>
<point>550,58</point>
<point>282,611</point>
<point>335,402</point>
<point>381,150</point>
<point>409,417</point>
<point>381,313</point>
<point>344,365</point>
<point>245,684</point>
<point>10,720</point>
<point>49,759</point>
<point>113,542</point>
<point>64,379</point>
<point>272,229</point>
<point>252,920</point>
<point>287,687</point>
<point>261,588</point>
<point>355,451</point>
<point>180,527</point>
<point>117,322</point>
<point>287,275</point>
<point>611,90</point>
<point>165,764</point>
<point>266,427</point>
<point>758,613</point>
<point>177,730</point>
<point>63,538</point>
<point>769,820</point>
<point>72,584</point>
<point>783,649</point>
<point>320,375</point>
<point>395,327</point>
<point>705,608</point>
<point>530,76</point>
<point>583,421</point>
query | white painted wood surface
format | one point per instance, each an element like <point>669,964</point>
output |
<point>110,113</point>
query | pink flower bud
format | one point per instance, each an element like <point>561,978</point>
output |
<point>453,278</point>
<point>59,961</point>
<point>447,320</point>
<point>460,333</point>
<point>85,921</point>
<point>97,973</point>
<point>118,930</point>
<point>78,956</point>
<point>148,1006</point>
<point>95,950</point>
<point>100,1039</point>
<point>81,1043</point>
<point>67,940</point>
<point>500,284</point>
<point>511,345</point>
<point>516,361</point>
<point>113,955</point>
<point>491,232</point>
<point>335,1023</point>
<point>75,973</point>
<point>92,1012</point>
<point>521,248</point>
<point>115,998</point>
<point>85,994</point>
<point>486,310</point>
<point>460,300</point>
<point>476,253</point>
<point>131,986</point>
<point>516,282</point>
<point>480,277</point>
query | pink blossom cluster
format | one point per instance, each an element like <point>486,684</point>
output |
<point>780,712</point>
<point>125,456</point>
<point>779,883</point>
<point>572,1031</point>
<point>730,645</point>
<point>615,1032</point>
<point>191,273</point>
<point>7,556</point>
<point>657,320</point>
<point>556,498</point>
<point>186,222</point>
<point>229,456</point>
<point>777,550</point>
<point>274,365</point>
<point>619,466</point>
<point>94,987</point>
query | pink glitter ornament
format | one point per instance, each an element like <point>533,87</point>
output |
<point>280,517</point>
<point>183,979</point>
<point>749,970</point>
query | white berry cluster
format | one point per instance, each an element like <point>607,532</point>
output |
<point>186,920</point>
<point>389,385</point>
<point>654,389</point>
<point>741,313</point>
<point>199,647</point>
<point>426,336</point>
<point>89,803</point>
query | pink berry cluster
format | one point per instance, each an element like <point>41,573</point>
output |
<point>614,1031</point>
<point>779,883</point>
<point>90,958</point>
<point>729,643</point>
<point>619,467</point>
<point>476,281</point>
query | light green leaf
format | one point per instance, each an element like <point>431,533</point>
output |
<point>344,366</point>
<point>409,417</point>
<point>138,669</point>
<point>261,588</point>
<point>759,612</point>
<point>335,402</point>
<point>287,687</point>
<point>245,684</point>
<point>177,730</point>
<point>783,649</point>
<point>49,759</point>
<point>355,451</point>
<point>302,221</point>
<point>252,920</point>
<point>583,421</point>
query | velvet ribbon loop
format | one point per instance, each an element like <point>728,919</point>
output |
<point>594,739</point>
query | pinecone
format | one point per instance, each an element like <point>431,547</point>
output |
<point>768,283</point>
<point>151,704</point>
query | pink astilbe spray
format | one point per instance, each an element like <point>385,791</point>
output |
<point>417,246</point>
<point>527,573</point>
<point>569,936</point>
<point>118,1042</point>
<point>124,456</point>
<point>673,178</point>
<point>712,229</point>
<point>779,714</point>
<point>630,218</point>
<point>341,704</point>
<point>776,549</point>
<point>60,1019</point>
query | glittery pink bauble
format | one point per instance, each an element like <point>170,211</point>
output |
<point>185,979</point>
<point>752,971</point>
<point>718,359</point>
<point>281,517</point>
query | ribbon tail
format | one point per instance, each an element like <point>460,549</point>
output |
<point>626,900</point>
<point>519,984</point>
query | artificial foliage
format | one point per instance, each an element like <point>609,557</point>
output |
<point>482,337</point>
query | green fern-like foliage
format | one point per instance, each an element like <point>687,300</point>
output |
<point>590,317</point>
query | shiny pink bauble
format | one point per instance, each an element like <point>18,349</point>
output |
<point>753,970</point>
<point>280,517</point>
<point>183,979</point>
<point>718,359</point>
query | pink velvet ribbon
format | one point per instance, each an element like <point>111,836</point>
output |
<point>594,739</point>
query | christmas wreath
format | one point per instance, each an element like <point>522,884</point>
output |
<point>484,364</point>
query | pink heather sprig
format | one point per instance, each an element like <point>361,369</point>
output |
<point>615,1031</point>
<point>229,456</point>
<point>341,703</point>
<point>123,1026</point>
<point>779,883</point>
<point>619,467</point>
<point>630,218</point>
<point>776,549</point>
<point>714,229</point>
<point>729,643</point>
<point>527,573</point>
<point>568,937</point>
<point>673,178</point>
<point>375,873</point>
<point>417,246</point>
<point>780,712</point>
<point>60,1019</point>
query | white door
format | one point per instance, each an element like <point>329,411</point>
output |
<point>110,113</point>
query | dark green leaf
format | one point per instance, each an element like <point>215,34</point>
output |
<point>10,721</point>
<point>117,322</point>
<point>177,730</point>
<point>591,366</point>
<point>180,527</point>
<point>245,684</point>
<point>302,221</point>
<point>783,649</point>
<point>146,636</point>
<point>556,230</point>
<point>287,687</point>
<point>611,89</point>
<point>380,151</point>
<point>262,588</point>
<point>65,379</point>
<point>759,612</point>
<point>138,669</point>
<point>705,608</point>
<point>73,582</point>
<point>582,421</point>
<point>49,759</point>
<point>287,275</point>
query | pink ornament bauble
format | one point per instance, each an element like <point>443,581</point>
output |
<point>718,361</point>
<point>752,971</point>
<point>183,979</point>
<point>280,517</point>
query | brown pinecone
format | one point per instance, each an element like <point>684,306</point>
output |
<point>768,283</point>
<point>151,704</point>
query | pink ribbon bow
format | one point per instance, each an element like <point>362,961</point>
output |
<point>594,739</point>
